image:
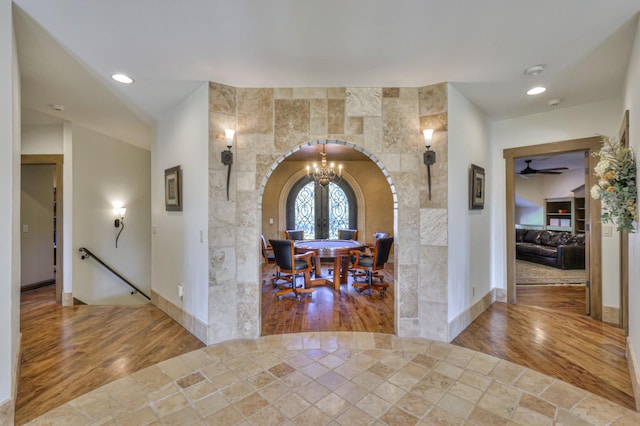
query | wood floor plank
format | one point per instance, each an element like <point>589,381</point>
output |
<point>556,341</point>
<point>69,351</point>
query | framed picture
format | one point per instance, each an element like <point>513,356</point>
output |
<point>476,188</point>
<point>172,189</point>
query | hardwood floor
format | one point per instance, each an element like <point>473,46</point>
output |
<point>555,341</point>
<point>326,310</point>
<point>570,299</point>
<point>68,351</point>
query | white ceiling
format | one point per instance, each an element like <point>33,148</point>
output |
<point>171,47</point>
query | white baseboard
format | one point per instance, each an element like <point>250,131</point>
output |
<point>8,407</point>
<point>634,373</point>
<point>192,324</point>
<point>462,321</point>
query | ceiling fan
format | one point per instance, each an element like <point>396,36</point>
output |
<point>531,171</point>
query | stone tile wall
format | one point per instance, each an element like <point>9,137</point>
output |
<point>386,125</point>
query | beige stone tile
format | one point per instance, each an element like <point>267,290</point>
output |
<point>152,378</point>
<point>460,357</point>
<point>565,418</point>
<point>142,416</point>
<point>199,391</point>
<point>295,380</point>
<point>455,405</point>
<point>563,394</point>
<point>352,392</point>
<point>333,405</point>
<point>292,405</point>
<point>374,405</point>
<point>426,361</point>
<point>190,380</point>
<point>349,370</point>
<point>475,380</point>
<point>63,415</point>
<point>237,391</point>
<point>506,372</point>
<point>533,382</point>
<point>414,404</point>
<point>247,370</point>
<point>395,361</point>
<point>211,404</point>
<point>630,418</point>
<point>267,360</point>
<point>218,370</point>
<point>281,370</point>
<point>449,370</point>
<point>425,390</point>
<point>175,368</point>
<point>313,392</point>
<point>226,416</point>
<point>405,379</point>
<point>96,405</point>
<point>162,393</point>
<point>311,417</point>
<point>433,99</point>
<point>523,416</point>
<point>481,417</point>
<point>495,404</point>
<point>538,405</point>
<point>185,416</point>
<point>438,380</point>
<point>438,416</point>
<point>197,359</point>
<point>466,392</point>
<point>314,370</point>
<point>507,393</point>
<point>389,392</point>
<point>355,417</point>
<point>331,361</point>
<point>170,404</point>
<point>598,410</point>
<point>251,404</point>
<point>260,380</point>
<point>268,416</point>
<point>482,363</point>
<point>382,370</point>
<point>331,380</point>
<point>398,417</point>
<point>368,380</point>
<point>275,391</point>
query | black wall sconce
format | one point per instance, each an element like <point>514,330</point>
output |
<point>429,155</point>
<point>227,156</point>
<point>119,212</point>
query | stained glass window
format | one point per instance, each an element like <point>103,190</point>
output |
<point>338,210</point>
<point>305,214</point>
<point>320,212</point>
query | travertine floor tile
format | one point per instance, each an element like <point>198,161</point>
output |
<point>337,379</point>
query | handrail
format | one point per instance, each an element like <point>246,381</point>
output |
<point>87,253</point>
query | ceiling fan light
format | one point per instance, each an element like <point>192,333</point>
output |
<point>536,90</point>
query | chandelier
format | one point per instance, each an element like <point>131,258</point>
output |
<point>324,173</point>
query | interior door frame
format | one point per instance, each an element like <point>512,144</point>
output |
<point>623,137</point>
<point>56,160</point>
<point>593,238</point>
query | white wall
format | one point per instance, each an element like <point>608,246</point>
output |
<point>632,103</point>
<point>36,223</point>
<point>42,139</point>
<point>469,230</point>
<point>105,171</point>
<point>9,209</point>
<point>556,125</point>
<point>180,252</point>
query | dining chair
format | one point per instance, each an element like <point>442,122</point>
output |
<point>371,263</point>
<point>347,234</point>
<point>270,259</point>
<point>292,264</point>
<point>294,234</point>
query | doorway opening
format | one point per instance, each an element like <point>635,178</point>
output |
<point>592,226</point>
<point>54,239</point>
<point>364,200</point>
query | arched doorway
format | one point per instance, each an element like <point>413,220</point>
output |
<point>286,180</point>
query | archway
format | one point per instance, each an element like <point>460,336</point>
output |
<point>289,169</point>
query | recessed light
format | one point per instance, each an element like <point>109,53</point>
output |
<point>122,78</point>
<point>536,90</point>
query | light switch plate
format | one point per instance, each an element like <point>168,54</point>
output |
<point>607,231</point>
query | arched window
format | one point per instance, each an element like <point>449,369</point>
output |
<point>321,211</point>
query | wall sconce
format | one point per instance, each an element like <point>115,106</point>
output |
<point>227,156</point>
<point>429,155</point>
<point>118,212</point>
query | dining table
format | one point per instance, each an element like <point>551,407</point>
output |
<point>328,248</point>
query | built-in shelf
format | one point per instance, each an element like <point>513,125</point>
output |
<point>565,214</point>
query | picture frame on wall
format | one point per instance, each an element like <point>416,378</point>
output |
<point>173,189</point>
<point>476,187</point>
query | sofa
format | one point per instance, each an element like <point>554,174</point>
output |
<point>559,249</point>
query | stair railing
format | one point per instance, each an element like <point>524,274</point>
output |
<point>86,253</point>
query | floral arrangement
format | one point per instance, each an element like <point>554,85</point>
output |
<point>616,187</point>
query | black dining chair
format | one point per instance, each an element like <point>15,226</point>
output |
<point>371,263</point>
<point>347,234</point>
<point>292,264</point>
<point>270,259</point>
<point>294,234</point>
